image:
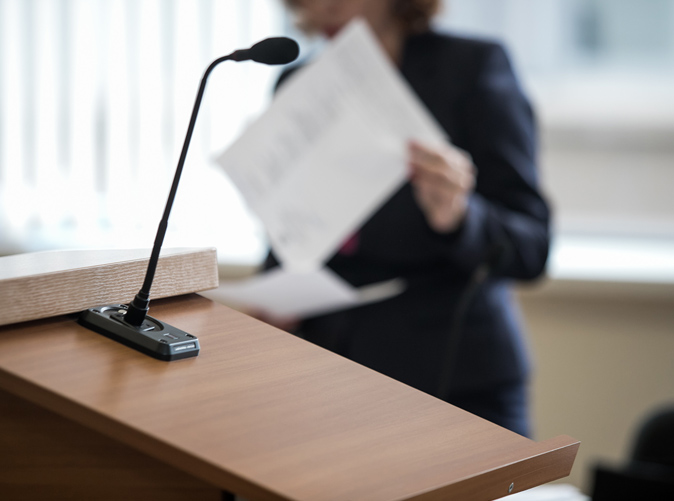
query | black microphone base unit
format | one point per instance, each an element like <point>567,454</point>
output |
<point>154,338</point>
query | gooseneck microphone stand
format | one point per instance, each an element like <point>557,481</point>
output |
<point>131,325</point>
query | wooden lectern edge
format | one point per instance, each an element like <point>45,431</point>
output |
<point>134,438</point>
<point>551,460</point>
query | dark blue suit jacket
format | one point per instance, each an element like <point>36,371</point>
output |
<point>470,88</point>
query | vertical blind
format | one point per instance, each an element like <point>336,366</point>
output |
<point>95,98</point>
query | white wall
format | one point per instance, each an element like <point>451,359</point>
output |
<point>604,360</point>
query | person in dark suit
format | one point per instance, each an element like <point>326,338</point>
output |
<point>470,220</point>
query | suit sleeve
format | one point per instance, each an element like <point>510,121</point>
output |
<point>508,219</point>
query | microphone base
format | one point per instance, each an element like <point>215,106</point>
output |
<point>154,338</point>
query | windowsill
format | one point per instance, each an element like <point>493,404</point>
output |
<point>609,267</point>
<point>612,259</point>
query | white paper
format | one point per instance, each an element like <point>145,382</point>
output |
<point>331,149</point>
<point>287,293</point>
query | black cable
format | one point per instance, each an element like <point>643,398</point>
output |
<point>495,261</point>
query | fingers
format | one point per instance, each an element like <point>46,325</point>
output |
<point>447,167</point>
<point>442,179</point>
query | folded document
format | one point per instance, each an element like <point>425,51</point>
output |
<point>300,294</point>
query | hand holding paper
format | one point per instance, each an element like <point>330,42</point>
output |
<point>442,178</point>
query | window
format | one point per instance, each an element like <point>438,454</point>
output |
<point>96,96</point>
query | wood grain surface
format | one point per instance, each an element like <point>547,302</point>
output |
<point>45,284</point>
<point>46,456</point>
<point>269,416</point>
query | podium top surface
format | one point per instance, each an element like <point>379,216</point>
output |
<point>269,416</point>
<point>55,261</point>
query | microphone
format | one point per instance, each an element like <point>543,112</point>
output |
<point>277,50</point>
<point>130,324</point>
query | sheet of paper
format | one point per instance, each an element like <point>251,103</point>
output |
<point>286,293</point>
<point>330,149</point>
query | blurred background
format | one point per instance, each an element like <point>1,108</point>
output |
<point>95,97</point>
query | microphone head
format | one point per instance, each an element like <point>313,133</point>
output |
<point>275,50</point>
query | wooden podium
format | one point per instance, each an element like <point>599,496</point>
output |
<point>259,413</point>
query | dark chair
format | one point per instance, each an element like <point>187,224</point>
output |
<point>649,473</point>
